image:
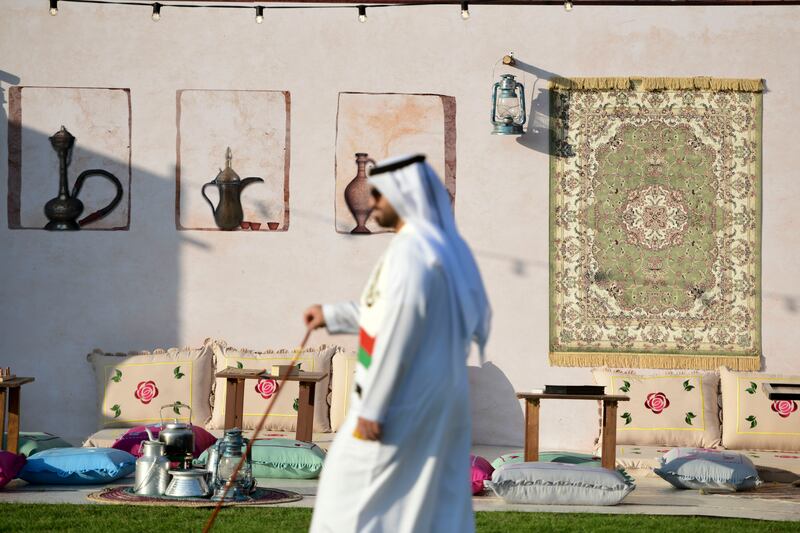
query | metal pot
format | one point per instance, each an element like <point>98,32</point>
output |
<point>188,484</point>
<point>178,437</point>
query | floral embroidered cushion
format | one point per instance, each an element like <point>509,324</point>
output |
<point>132,388</point>
<point>342,383</point>
<point>10,465</point>
<point>751,420</point>
<point>258,393</point>
<point>701,468</point>
<point>665,409</point>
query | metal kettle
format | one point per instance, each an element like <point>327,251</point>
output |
<point>62,212</point>
<point>228,213</point>
<point>178,437</point>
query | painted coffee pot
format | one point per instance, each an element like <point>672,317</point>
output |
<point>356,194</point>
<point>228,213</point>
<point>63,211</point>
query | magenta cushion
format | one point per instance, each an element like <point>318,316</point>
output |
<point>481,471</point>
<point>10,465</point>
<point>131,441</point>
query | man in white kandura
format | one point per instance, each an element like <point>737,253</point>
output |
<point>400,462</point>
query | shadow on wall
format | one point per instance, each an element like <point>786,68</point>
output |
<point>66,293</point>
<point>537,136</point>
<point>497,416</point>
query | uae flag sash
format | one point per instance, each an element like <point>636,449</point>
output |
<point>365,347</point>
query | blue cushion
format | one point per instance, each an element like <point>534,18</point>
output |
<point>77,466</point>
<point>701,468</point>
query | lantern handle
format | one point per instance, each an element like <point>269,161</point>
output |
<point>522,103</point>
<point>494,101</point>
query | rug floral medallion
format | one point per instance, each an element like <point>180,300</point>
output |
<point>655,210</point>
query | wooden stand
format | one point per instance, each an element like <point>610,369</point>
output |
<point>11,388</point>
<point>609,444</point>
<point>234,397</point>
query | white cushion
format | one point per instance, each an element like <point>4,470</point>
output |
<point>560,484</point>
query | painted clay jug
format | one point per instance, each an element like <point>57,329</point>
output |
<point>356,194</point>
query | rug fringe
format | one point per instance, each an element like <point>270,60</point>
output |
<point>645,360</point>
<point>659,84</point>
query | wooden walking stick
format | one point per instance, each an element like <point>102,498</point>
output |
<point>258,429</point>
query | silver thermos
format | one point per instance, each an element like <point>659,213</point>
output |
<point>152,470</point>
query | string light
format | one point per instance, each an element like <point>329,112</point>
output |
<point>53,7</point>
<point>568,5</point>
<point>259,14</point>
<point>465,10</point>
<point>156,16</point>
<point>362,13</point>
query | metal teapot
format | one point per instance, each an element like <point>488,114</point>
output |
<point>178,437</point>
<point>228,212</point>
<point>63,211</point>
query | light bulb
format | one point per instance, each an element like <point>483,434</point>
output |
<point>465,10</point>
<point>568,5</point>
<point>53,7</point>
<point>156,16</point>
<point>259,14</point>
<point>362,13</point>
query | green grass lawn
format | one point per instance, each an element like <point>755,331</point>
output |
<point>118,519</point>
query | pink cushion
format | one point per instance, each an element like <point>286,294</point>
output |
<point>131,441</point>
<point>481,471</point>
<point>10,465</point>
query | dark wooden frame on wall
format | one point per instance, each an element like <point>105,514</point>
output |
<point>284,226</point>
<point>14,198</point>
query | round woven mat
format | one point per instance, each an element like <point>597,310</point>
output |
<point>771,491</point>
<point>125,495</point>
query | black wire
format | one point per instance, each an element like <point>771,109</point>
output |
<point>219,6</point>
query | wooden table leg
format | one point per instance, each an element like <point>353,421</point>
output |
<point>13,419</point>
<point>2,416</point>
<point>234,403</point>
<point>305,412</point>
<point>532,430</point>
<point>609,445</point>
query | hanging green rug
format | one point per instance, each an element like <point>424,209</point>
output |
<point>655,222</point>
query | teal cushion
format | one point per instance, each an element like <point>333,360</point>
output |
<point>572,458</point>
<point>77,466</point>
<point>282,458</point>
<point>34,442</point>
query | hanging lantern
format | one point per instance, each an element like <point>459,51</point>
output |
<point>508,106</point>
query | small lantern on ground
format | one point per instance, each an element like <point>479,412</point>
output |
<point>508,106</point>
<point>231,449</point>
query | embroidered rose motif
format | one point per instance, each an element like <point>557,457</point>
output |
<point>656,402</point>
<point>146,391</point>
<point>266,388</point>
<point>784,407</point>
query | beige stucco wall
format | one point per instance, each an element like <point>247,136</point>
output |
<point>62,295</point>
